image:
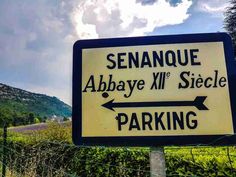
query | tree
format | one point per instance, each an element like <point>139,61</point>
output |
<point>65,119</point>
<point>230,22</point>
<point>5,116</point>
<point>36,120</point>
<point>31,118</point>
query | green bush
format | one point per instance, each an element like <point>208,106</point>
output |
<point>49,152</point>
<point>55,159</point>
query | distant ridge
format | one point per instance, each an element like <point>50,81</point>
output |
<point>20,101</point>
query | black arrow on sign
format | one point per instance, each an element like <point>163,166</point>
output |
<point>197,102</point>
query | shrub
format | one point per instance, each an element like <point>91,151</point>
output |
<point>49,152</point>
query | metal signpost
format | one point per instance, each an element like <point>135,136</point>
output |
<point>154,91</point>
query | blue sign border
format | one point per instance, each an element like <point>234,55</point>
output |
<point>150,140</point>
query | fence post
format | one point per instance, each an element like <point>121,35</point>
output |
<point>4,161</point>
<point>157,162</point>
<point>191,152</point>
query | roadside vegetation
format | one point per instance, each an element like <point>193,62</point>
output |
<point>50,152</point>
<point>12,118</point>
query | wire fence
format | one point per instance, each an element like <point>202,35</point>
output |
<point>59,158</point>
<point>46,161</point>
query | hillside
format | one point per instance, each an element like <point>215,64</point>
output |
<point>20,101</point>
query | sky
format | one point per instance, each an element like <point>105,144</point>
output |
<point>36,37</point>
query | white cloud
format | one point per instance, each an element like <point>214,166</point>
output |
<point>104,18</point>
<point>36,46</point>
<point>215,7</point>
<point>37,36</point>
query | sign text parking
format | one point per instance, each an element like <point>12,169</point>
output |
<point>154,89</point>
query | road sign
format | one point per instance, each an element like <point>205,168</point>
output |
<point>159,90</point>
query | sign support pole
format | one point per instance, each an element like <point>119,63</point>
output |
<point>157,162</point>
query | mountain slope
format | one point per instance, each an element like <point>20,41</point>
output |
<point>21,101</point>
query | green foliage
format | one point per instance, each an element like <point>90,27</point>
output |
<point>17,101</point>
<point>12,118</point>
<point>19,107</point>
<point>49,152</point>
<point>40,158</point>
<point>37,120</point>
<point>53,132</point>
<point>65,119</point>
<point>201,161</point>
<point>230,21</point>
